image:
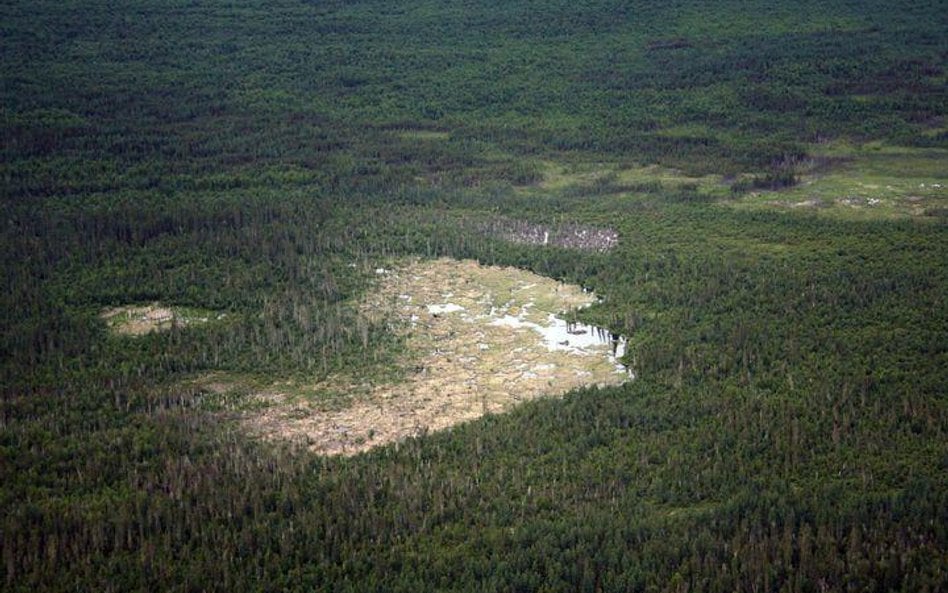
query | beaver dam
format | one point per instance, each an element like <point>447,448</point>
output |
<point>480,340</point>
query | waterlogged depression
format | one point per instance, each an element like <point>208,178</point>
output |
<point>480,339</point>
<point>558,334</point>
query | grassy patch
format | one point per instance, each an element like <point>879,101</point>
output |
<point>425,135</point>
<point>871,181</point>
<point>595,178</point>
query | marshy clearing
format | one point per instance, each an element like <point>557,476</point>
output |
<point>138,320</point>
<point>869,182</point>
<point>480,340</point>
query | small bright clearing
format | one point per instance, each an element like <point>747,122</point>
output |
<point>137,320</point>
<point>480,340</point>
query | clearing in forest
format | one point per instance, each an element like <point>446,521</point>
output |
<point>869,182</point>
<point>480,340</point>
<point>137,320</point>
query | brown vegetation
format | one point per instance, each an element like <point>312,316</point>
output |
<point>474,348</point>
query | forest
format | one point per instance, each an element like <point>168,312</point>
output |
<point>775,174</point>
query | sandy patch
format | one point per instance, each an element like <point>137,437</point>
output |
<point>481,340</point>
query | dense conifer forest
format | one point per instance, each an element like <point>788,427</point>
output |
<point>787,429</point>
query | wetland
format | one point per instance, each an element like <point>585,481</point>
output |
<point>480,340</point>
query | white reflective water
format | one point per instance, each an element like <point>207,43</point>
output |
<point>444,308</point>
<point>579,338</point>
<point>556,333</point>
